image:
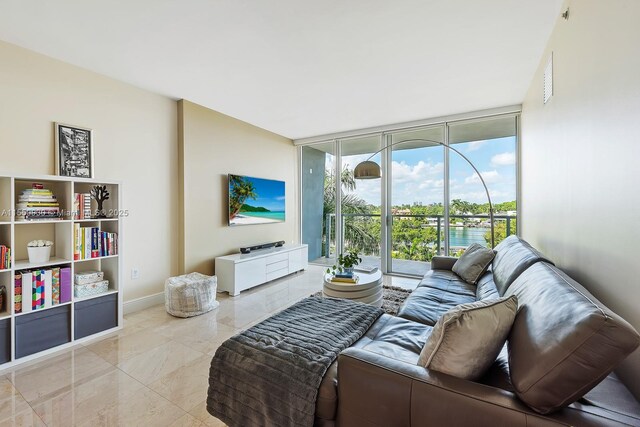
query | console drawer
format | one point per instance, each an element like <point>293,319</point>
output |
<point>278,266</point>
<point>277,257</point>
<point>277,274</point>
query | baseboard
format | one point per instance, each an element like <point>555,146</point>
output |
<point>141,303</point>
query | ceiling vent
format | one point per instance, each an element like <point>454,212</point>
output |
<point>548,79</point>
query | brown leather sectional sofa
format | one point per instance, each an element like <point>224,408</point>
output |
<point>563,342</point>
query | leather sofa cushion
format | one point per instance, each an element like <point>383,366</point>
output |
<point>513,256</point>
<point>467,339</point>
<point>486,288</point>
<point>447,280</point>
<point>389,336</point>
<point>426,304</point>
<point>563,341</point>
<point>473,263</point>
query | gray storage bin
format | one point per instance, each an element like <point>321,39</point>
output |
<point>5,340</point>
<point>96,315</point>
<point>42,330</point>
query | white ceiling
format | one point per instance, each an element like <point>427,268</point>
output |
<point>301,67</point>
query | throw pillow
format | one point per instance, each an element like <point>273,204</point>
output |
<point>466,340</point>
<point>473,263</point>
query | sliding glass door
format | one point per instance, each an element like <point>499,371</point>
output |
<point>416,200</point>
<point>429,200</point>
<point>361,200</point>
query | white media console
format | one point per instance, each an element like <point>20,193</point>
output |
<point>239,272</point>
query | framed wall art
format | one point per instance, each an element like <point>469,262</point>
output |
<point>73,151</point>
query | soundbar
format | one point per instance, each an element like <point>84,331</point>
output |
<point>248,249</point>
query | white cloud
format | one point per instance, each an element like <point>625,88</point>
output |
<point>475,145</point>
<point>488,176</point>
<point>504,159</point>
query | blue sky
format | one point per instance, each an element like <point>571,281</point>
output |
<point>418,174</point>
<point>270,194</point>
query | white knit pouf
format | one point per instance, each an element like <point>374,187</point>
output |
<point>190,295</point>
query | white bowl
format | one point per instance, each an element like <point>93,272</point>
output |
<point>39,254</point>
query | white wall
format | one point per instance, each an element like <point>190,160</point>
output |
<point>213,145</point>
<point>581,157</point>
<point>135,141</point>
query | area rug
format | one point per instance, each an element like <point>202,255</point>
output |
<point>392,298</point>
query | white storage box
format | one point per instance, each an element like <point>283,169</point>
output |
<point>90,289</point>
<point>190,295</point>
<point>87,277</point>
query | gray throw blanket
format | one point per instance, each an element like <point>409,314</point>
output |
<point>269,374</point>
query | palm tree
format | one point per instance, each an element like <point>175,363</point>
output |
<point>240,189</point>
<point>357,229</point>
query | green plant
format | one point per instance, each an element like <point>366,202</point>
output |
<point>350,260</point>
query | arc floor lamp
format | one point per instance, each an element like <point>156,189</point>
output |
<point>371,170</point>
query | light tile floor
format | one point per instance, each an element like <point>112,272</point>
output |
<point>154,372</point>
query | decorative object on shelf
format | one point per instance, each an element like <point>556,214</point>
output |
<point>73,151</point>
<point>99,193</point>
<point>39,251</point>
<point>5,257</point>
<point>90,289</point>
<point>345,263</point>
<point>37,204</point>
<point>371,170</point>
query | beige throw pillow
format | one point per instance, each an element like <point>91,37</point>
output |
<point>473,263</point>
<point>466,340</point>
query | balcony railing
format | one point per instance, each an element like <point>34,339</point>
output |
<point>435,221</point>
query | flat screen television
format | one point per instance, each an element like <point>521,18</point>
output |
<point>255,200</point>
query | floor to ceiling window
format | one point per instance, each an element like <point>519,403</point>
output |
<point>429,201</point>
<point>490,144</point>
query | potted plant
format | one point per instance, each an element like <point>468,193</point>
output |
<point>345,263</point>
<point>39,251</point>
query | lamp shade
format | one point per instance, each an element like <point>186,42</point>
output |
<point>367,170</point>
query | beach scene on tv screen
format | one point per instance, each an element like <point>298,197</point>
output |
<point>255,200</point>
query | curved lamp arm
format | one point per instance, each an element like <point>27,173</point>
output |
<point>362,171</point>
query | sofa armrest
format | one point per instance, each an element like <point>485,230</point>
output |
<point>374,390</point>
<point>443,262</point>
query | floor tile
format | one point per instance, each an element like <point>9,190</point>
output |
<point>152,365</point>
<point>11,401</point>
<point>57,374</point>
<point>144,408</point>
<point>119,348</point>
<point>200,412</point>
<point>187,385</point>
<point>187,420</point>
<point>26,418</point>
<point>85,398</point>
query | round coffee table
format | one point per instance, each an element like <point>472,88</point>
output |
<point>368,289</point>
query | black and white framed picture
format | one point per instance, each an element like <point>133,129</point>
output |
<point>74,151</point>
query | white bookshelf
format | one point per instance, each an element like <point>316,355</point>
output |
<point>89,317</point>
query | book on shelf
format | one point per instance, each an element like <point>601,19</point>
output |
<point>37,203</point>
<point>82,206</point>
<point>5,257</point>
<point>41,288</point>
<point>91,242</point>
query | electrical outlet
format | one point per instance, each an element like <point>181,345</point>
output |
<point>135,273</point>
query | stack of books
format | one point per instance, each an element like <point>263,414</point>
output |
<point>82,206</point>
<point>91,242</point>
<point>38,289</point>
<point>345,278</point>
<point>36,204</point>
<point>5,257</point>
